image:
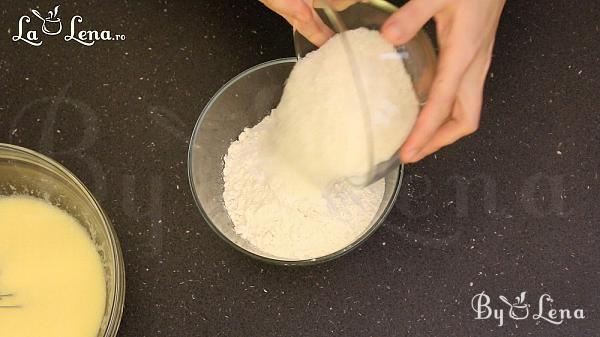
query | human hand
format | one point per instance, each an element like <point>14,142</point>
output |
<point>466,32</point>
<point>302,16</point>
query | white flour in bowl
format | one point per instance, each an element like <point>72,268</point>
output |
<point>285,187</point>
<point>282,213</point>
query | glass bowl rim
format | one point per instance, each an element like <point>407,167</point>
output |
<point>41,161</point>
<point>305,262</point>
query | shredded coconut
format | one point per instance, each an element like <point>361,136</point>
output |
<point>321,127</point>
<point>285,187</point>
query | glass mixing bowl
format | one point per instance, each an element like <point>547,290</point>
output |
<point>25,172</point>
<point>242,103</point>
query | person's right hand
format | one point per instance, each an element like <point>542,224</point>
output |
<point>466,31</point>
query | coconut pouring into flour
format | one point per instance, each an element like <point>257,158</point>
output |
<point>286,187</point>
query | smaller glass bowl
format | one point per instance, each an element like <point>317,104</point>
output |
<point>242,103</point>
<point>418,56</point>
<point>25,172</point>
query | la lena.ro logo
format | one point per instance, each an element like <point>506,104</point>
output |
<point>520,310</point>
<point>52,25</point>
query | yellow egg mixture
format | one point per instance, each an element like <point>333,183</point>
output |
<point>52,268</point>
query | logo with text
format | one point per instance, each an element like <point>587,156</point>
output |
<point>520,309</point>
<point>33,32</point>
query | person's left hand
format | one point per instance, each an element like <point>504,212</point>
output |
<point>302,16</point>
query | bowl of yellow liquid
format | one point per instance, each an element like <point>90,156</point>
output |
<point>61,266</point>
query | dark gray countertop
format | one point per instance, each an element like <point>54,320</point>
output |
<point>512,208</point>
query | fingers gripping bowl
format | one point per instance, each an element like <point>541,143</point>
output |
<point>240,104</point>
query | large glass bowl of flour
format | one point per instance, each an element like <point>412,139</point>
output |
<point>27,174</point>
<point>241,104</point>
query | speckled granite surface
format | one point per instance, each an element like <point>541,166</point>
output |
<point>512,208</point>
